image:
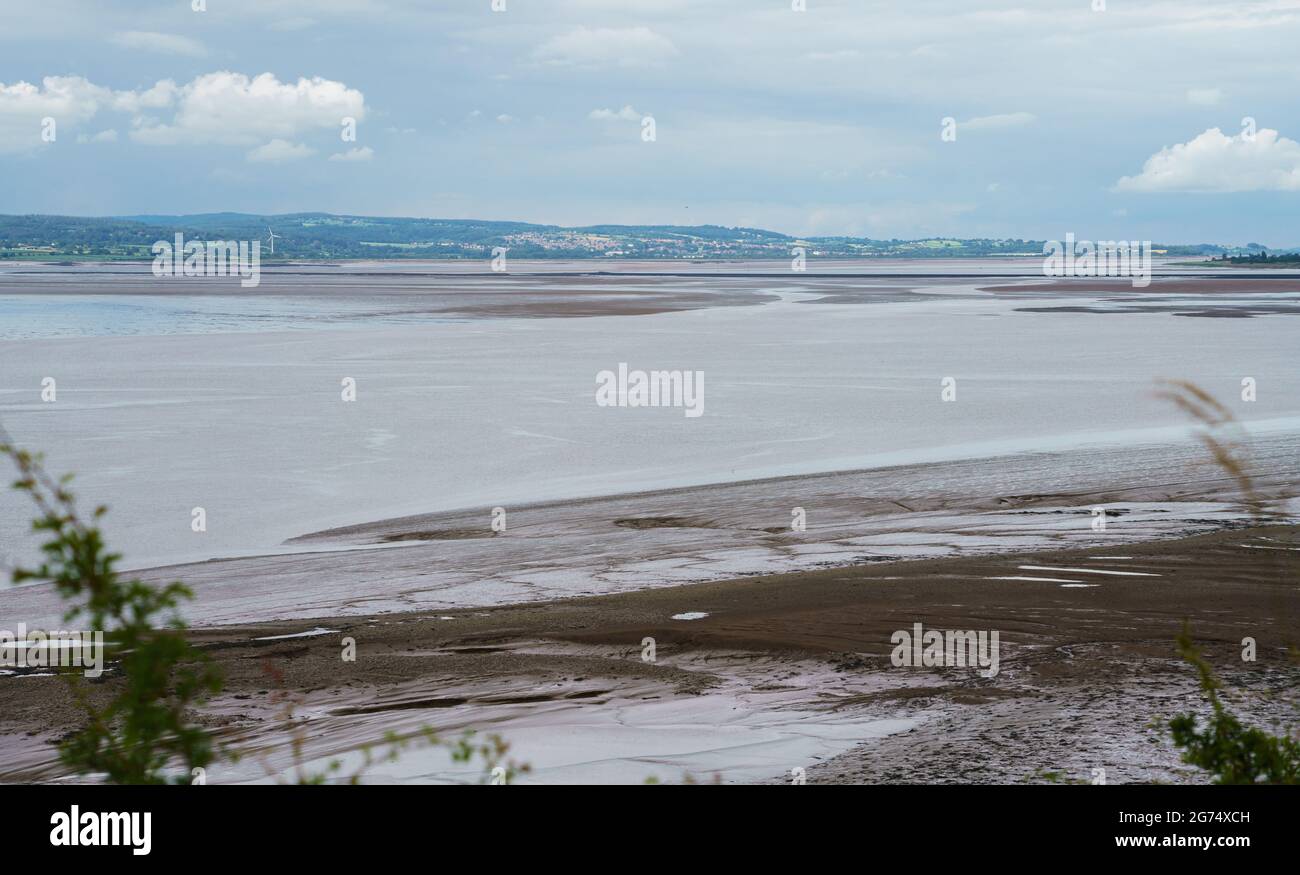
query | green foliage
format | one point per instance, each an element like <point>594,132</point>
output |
<point>1233,753</point>
<point>1263,259</point>
<point>492,750</point>
<point>143,727</point>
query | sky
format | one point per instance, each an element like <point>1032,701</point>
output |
<point>1168,121</point>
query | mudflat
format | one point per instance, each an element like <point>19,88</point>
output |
<point>800,664</point>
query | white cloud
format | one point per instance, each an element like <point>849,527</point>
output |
<point>990,122</point>
<point>505,119</point>
<point>70,100</point>
<point>160,96</point>
<point>70,96</point>
<point>163,43</point>
<point>1204,96</point>
<point>1215,162</point>
<point>365,153</point>
<point>279,151</point>
<point>593,47</point>
<point>221,108</point>
<point>626,114</point>
<point>232,109</point>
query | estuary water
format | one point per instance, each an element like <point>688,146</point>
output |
<point>236,403</point>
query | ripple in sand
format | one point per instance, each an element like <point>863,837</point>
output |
<point>1088,571</point>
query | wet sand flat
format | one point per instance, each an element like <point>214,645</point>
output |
<point>1227,283</point>
<point>777,673</point>
<point>593,546</point>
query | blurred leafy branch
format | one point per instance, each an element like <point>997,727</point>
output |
<point>144,727</point>
<point>1222,745</point>
<point>1233,753</point>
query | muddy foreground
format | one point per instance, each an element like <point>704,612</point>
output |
<point>780,673</point>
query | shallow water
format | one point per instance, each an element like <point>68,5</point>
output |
<point>250,425</point>
<point>40,316</point>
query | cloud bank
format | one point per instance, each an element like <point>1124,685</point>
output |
<point>1215,162</point>
<point>221,108</point>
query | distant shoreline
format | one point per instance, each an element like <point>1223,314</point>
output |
<point>309,235</point>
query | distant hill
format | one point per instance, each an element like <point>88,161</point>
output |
<point>324,236</point>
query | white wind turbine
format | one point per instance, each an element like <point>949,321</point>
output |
<point>272,238</point>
